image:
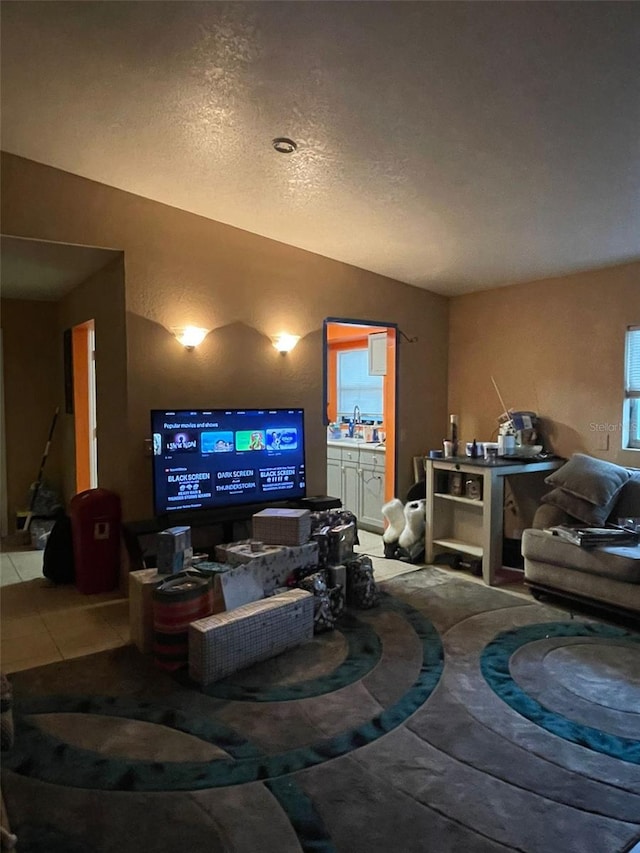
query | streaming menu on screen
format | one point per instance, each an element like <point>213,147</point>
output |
<point>219,458</point>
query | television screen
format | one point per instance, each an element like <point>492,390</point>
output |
<point>218,458</point>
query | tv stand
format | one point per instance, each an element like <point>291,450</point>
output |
<point>209,527</point>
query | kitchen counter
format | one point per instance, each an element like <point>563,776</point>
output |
<point>355,442</point>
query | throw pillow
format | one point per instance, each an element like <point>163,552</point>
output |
<point>548,515</point>
<point>579,508</point>
<point>593,480</point>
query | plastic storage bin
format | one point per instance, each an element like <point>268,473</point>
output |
<point>96,525</point>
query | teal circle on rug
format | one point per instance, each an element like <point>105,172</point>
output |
<point>40,755</point>
<point>494,663</point>
<point>364,650</point>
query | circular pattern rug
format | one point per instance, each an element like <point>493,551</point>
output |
<point>580,681</point>
<point>398,724</point>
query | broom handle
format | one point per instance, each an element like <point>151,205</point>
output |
<point>504,409</point>
<point>38,482</point>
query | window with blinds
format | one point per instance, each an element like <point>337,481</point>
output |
<point>357,388</point>
<point>631,417</point>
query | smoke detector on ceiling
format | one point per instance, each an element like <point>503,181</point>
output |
<point>284,145</point>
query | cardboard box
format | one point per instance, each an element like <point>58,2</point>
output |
<point>275,526</point>
<point>239,553</point>
<point>226,642</point>
<point>141,586</point>
<point>174,551</point>
<point>222,550</point>
<point>273,568</point>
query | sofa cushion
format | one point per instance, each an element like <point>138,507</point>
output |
<point>621,564</point>
<point>579,508</point>
<point>594,480</point>
<point>627,504</point>
<point>598,588</point>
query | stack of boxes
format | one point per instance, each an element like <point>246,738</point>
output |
<point>243,575</point>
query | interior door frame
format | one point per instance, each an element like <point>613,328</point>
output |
<point>84,405</point>
<point>392,327</point>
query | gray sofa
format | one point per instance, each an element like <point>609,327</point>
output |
<point>591,492</point>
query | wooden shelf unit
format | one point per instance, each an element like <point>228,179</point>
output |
<point>467,525</point>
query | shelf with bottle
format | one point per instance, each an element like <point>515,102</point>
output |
<point>472,522</point>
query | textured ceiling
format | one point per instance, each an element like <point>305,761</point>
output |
<point>454,146</point>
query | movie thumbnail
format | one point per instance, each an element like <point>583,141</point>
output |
<point>216,442</point>
<point>250,440</point>
<point>282,439</point>
<point>183,441</point>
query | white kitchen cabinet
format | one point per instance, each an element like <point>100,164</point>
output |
<point>351,480</point>
<point>372,472</point>
<point>377,351</point>
<point>355,474</point>
<point>334,471</point>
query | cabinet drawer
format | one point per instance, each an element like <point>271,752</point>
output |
<point>334,452</point>
<point>350,455</point>
<point>373,459</point>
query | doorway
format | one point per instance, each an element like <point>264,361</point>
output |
<point>360,406</point>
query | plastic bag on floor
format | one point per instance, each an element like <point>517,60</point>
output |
<point>40,528</point>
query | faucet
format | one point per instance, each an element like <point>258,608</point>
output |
<point>357,420</point>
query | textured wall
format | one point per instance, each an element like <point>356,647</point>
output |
<point>33,370</point>
<point>181,268</point>
<point>553,346</point>
<point>34,386</point>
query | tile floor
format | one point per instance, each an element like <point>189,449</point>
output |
<point>41,623</point>
<point>384,569</point>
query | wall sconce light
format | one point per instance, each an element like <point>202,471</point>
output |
<point>190,336</point>
<point>284,342</point>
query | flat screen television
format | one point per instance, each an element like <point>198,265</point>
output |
<point>209,459</point>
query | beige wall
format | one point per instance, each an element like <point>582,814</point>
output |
<point>181,268</point>
<point>33,371</point>
<point>553,346</point>
<point>34,386</point>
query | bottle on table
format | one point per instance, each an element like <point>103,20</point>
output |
<point>453,432</point>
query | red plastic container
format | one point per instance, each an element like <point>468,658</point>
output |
<point>177,601</point>
<point>96,526</point>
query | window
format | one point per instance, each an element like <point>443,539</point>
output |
<point>631,415</point>
<point>357,388</point>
